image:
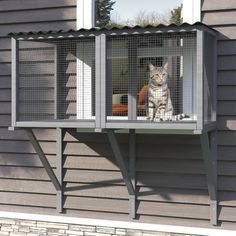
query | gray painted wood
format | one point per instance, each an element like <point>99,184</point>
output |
<point>103,74</point>
<point>208,144</point>
<point>120,161</point>
<point>52,14</point>
<point>5,95</point>
<point>226,32</point>
<point>5,120</point>
<point>5,82</point>
<point>227,47</point>
<point>5,5</point>
<point>226,77</point>
<point>132,172</point>
<point>212,5</point>
<point>91,174</point>
<point>59,168</point>
<point>221,17</point>
<point>226,108</point>
<point>44,160</point>
<point>200,79</point>
<point>227,62</point>
<point>226,93</point>
<point>14,81</point>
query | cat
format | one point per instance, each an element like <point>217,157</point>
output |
<point>160,106</point>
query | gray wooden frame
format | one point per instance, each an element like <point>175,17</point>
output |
<point>14,80</point>
<point>132,85</point>
<point>209,151</point>
<point>199,82</point>
<point>103,63</point>
<point>132,172</point>
<point>56,81</point>
<point>59,167</point>
<point>101,123</point>
<point>98,83</point>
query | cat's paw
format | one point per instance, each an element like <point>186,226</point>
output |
<point>162,118</point>
<point>167,119</point>
<point>157,119</point>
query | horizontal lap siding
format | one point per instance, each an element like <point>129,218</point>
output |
<point>170,182</point>
<point>221,16</point>
<point>25,15</point>
<point>21,172</point>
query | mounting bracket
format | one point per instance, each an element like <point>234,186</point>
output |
<point>129,180</point>
<point>56,179</point>
<point>209,149</point>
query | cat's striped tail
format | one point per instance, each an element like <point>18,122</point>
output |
<point>180,116</point>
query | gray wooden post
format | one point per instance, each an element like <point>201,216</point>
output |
<point>59,167</point>
<point>132,172</point>
<point>14,80</point>
<point>209,151</point>
<point>214,100</point>
<point>98,83</point>
<point>103,60</point>
<point>55,81</point>
<point>100,56</point>
<point>199,84</point>
<point>132,79</point>
<point>188,67</point>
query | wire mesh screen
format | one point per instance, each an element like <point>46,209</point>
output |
<point>151,77</point>
<point>56,80</point>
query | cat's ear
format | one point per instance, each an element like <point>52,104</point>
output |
<point>151,67</point>
<point>165,66</point>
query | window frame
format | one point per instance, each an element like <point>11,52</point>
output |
<point>191,12</point>
<point>85,14</point>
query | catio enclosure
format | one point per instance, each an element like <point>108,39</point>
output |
<point>100,78</point>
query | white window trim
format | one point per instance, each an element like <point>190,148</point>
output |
<point>191,11</point>
<point>84,81</point>
<point>85,14</point>
<point>85,20</point>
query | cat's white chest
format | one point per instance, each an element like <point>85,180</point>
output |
<point>158,93</point>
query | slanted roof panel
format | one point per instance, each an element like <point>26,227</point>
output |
<point>110,30</point>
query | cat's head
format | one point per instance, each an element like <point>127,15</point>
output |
<point>158,75</point>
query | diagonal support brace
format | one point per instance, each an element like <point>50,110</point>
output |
<point>132,172</point>
<point>209,157</point>
<point>120,161</point>
<point>43,159</point>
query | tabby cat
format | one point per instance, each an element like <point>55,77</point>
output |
<point>160,106</point>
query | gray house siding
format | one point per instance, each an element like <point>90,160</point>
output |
<point>171,182</point>
<point>221,16</point>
